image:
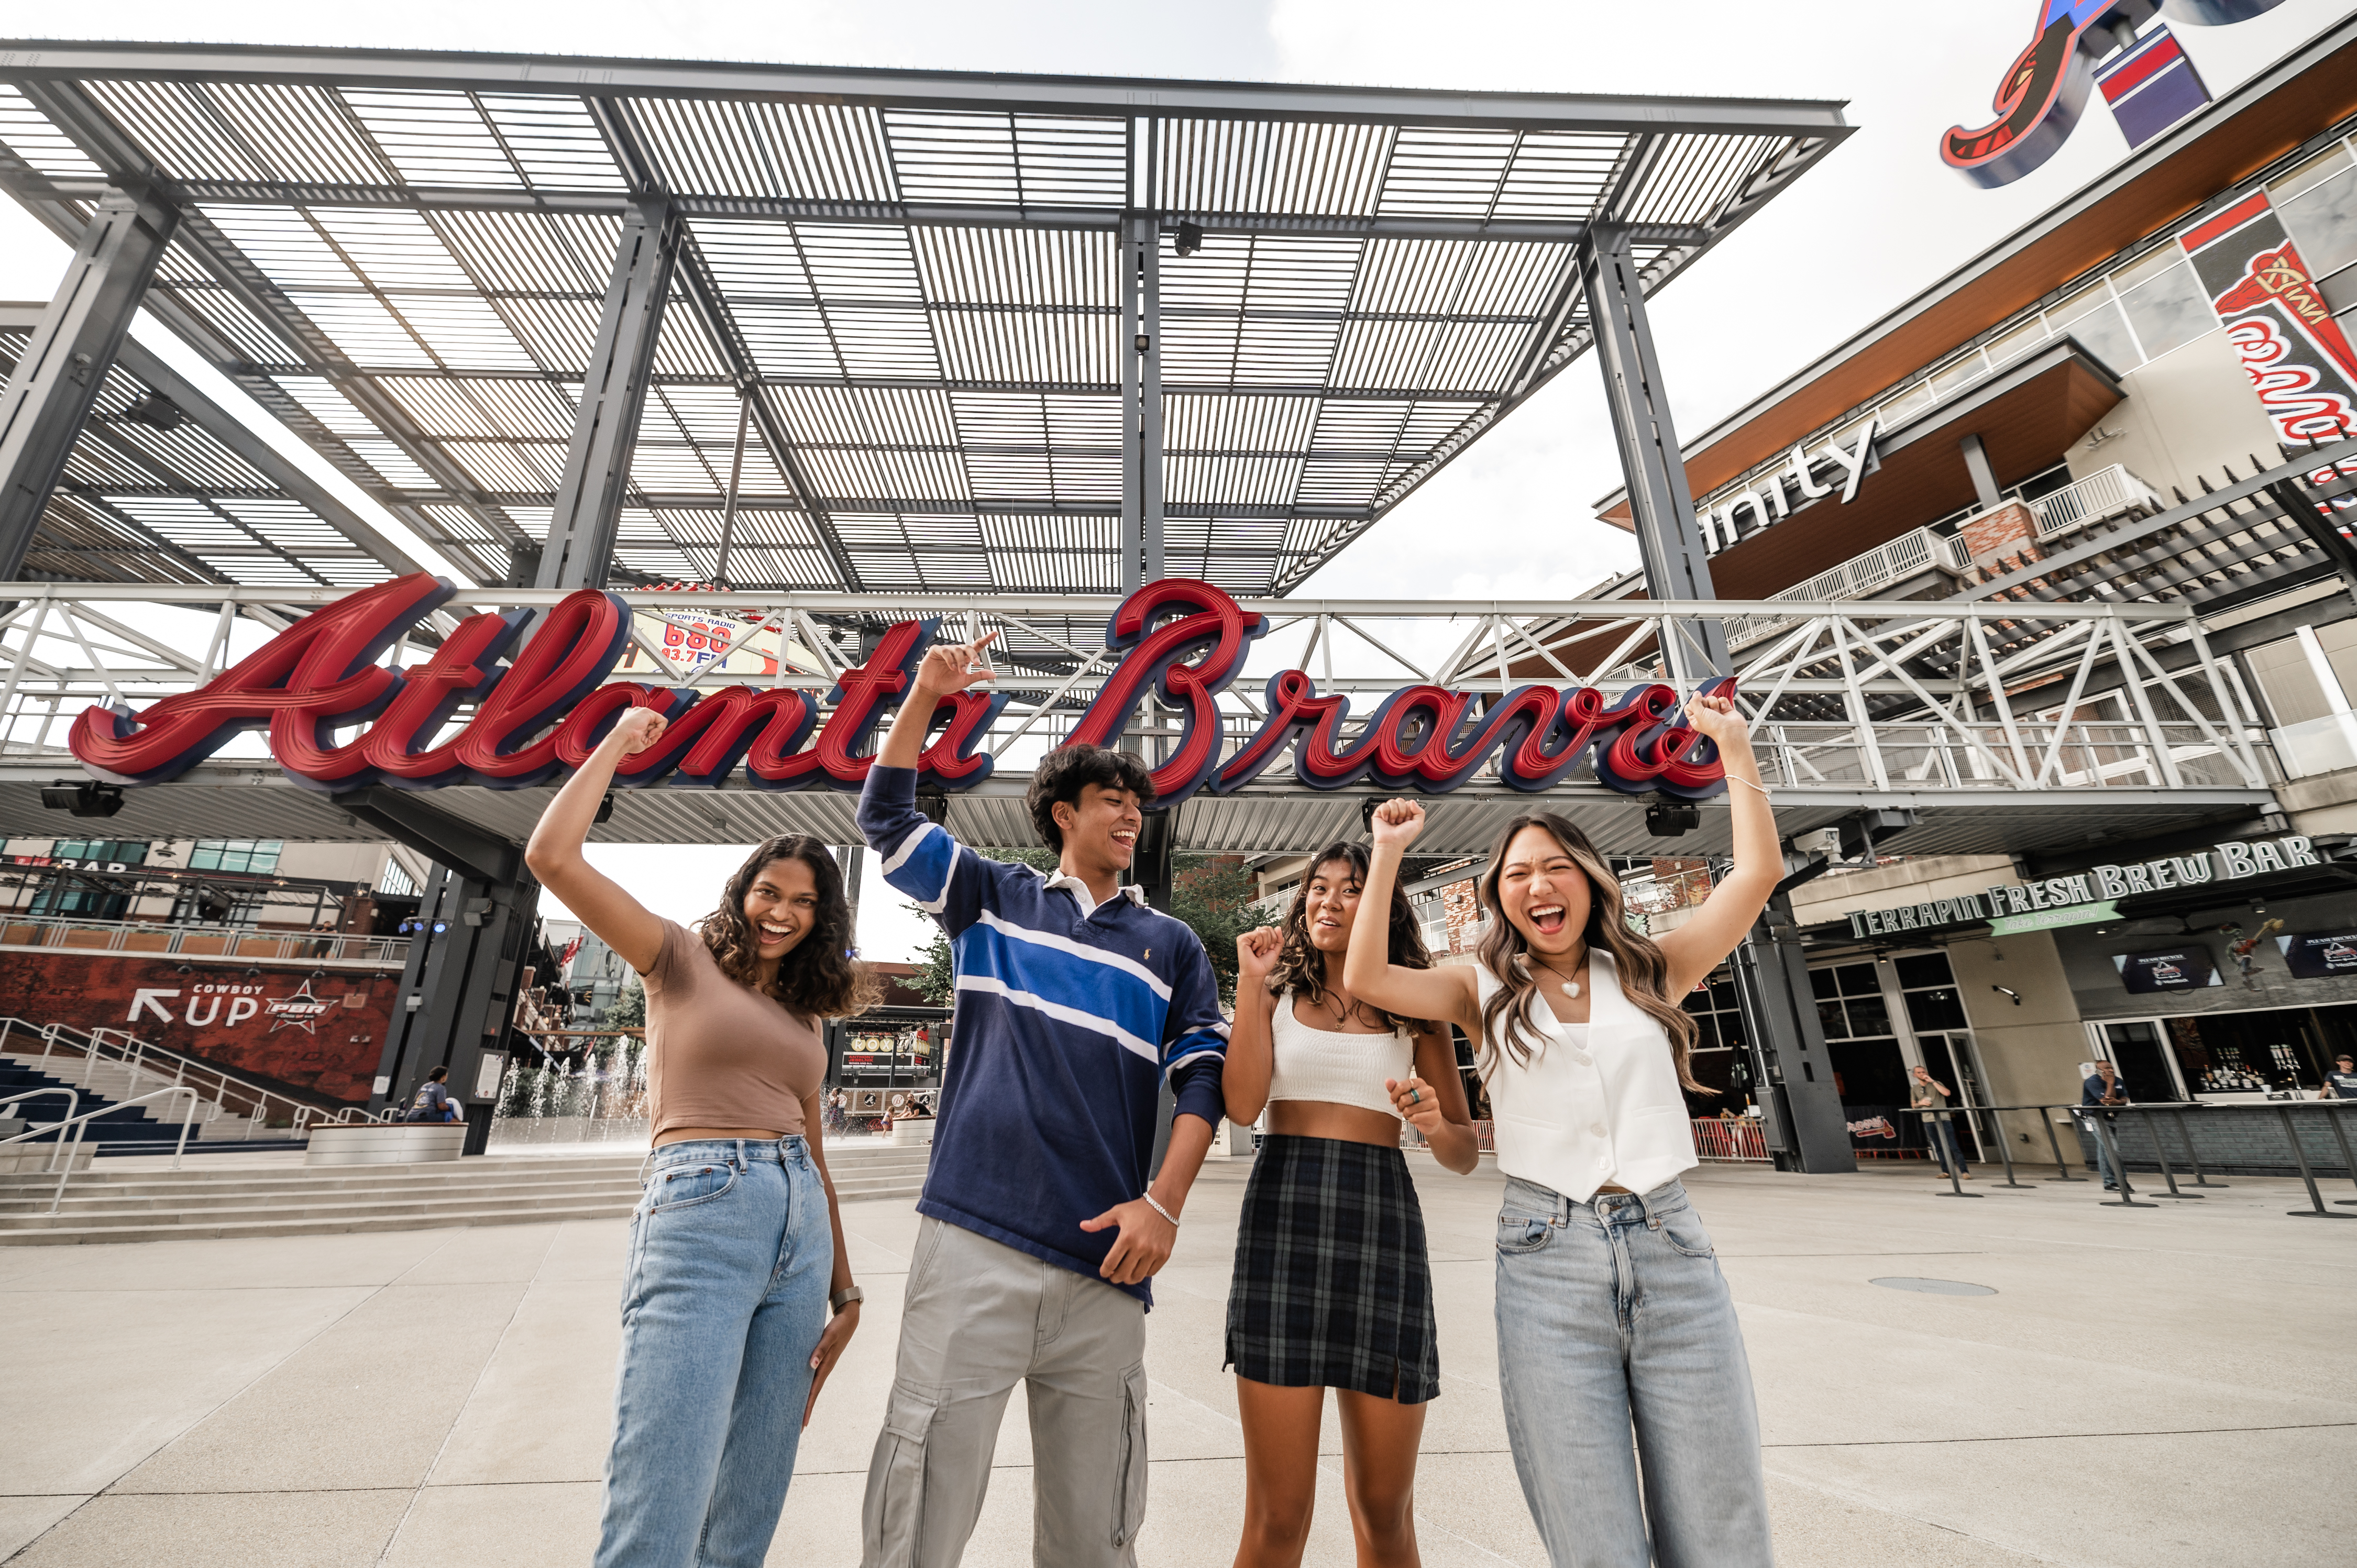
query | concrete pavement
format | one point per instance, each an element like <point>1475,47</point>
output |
<point>2176,1384</point>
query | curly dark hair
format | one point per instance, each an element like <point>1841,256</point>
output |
<point>1067,770</point>
<point>819,979</point>
<point>1300,967</point>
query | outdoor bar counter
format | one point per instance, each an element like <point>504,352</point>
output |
<point>2245,1137</point>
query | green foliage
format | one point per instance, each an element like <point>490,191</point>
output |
<point>628,1010</point>
<point>1213,893</point>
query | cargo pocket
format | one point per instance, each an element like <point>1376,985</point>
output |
<point>896,1483</point>
<point>1129,1478</point>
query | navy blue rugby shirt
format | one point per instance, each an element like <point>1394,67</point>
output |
<point>1064,1026</point>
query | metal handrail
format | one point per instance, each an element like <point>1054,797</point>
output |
<point>81,1122</point>
<point>222,942</point>
<point>133,1056</point>
<point>73,1107</point>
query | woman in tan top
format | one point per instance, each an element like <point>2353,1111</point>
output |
<point>736,1248</point>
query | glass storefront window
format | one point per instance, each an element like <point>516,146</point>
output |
<point>2324,222</point>
<point>2095,321</point>
<point>2168,309</point>
<point>2284,187</point>
<point>236,855</point>
<point>2017,342</point>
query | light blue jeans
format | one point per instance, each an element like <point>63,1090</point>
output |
<point>731,1250</point>
<point>1612,1316</point>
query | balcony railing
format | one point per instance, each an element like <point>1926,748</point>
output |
<point>1860,577</point>
<point>210,941</point>
<point>2105,493</point>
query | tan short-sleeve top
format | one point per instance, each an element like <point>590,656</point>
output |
<point>720,1054</point>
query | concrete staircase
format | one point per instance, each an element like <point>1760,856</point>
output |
<point>295,1200</point>
<point>139,1128</point>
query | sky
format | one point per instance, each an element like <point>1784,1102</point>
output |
<point>1875,224</point>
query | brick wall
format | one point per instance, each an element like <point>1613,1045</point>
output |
<point>2001,539</point>
<point>1461,906</point>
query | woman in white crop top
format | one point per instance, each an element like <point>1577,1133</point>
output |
<point>1331,1286</point>
<point>1611,1310</point>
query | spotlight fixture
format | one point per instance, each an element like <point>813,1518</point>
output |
<point>1669,818</point>
<point>1189,238</point>
<point>2007,991</point>
<point>605,808</point>
<point>252,975</point>
<point>82,800</point>
<point>156,410</point>
<point>1143,342</point>
<point>186,968</point>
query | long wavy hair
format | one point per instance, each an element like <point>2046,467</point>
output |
<point>819,978</point>
<point>1301,967</point>
<point>1637,960</point>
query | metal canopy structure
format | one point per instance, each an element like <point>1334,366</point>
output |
<point>165,486</point>
<point>874,331</point>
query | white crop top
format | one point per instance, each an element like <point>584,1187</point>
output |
<point>1323,1064</point>
<point>1596,1104</point>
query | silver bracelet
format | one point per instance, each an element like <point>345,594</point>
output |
<point>1763,789</point>
<point>1162,1212</point>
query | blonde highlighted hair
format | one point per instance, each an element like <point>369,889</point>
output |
<point>1637,959</point>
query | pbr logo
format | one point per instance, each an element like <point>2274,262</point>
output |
<point>2040,100</point>
<point>545,710</point>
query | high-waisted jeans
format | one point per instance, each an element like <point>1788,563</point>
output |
<point>731,1250</point>
<point>1612,1316</point>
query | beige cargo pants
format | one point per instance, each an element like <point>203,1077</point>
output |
<point>980,1317</point>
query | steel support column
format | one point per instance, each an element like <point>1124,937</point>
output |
<point>1792,1072</point>
<point>1793,1075</point>
<point>1150,401</point>
<point>456,1006</point>
<point>50,391</point>
<point>579,551</point>
<point>1660,504</point>
<point>1133,366</point>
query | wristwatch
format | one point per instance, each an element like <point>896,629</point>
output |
<point>845,1297</point>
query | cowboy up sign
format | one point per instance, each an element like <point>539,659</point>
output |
<point>544,710</point>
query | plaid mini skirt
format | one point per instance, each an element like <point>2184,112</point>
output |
<point>1331,1287</point>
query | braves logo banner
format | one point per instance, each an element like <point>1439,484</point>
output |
<point>543,711</point>
<point>2296,354</point>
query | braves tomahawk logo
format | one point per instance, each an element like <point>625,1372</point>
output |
<point>2043,91</point>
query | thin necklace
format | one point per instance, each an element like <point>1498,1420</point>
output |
<point>1570,984</point>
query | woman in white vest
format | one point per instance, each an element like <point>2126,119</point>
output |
<point>1611,1310</point>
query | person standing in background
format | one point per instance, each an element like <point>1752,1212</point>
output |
<point>2101,1087</point>
<point>1928,1095</point>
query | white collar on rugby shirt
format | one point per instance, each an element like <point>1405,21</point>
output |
<point>1080,890</point>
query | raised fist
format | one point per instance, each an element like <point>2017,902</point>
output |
<point>1397,822</point>
<point>1256,952</point>
<point>639,728</point>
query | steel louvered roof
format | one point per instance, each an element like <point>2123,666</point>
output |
<point>403,256</point>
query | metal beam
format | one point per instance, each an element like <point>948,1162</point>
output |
<point>973,90</point>
<point>1130,263</point>
<point>266,459</point>
<point>1675,566</point>
<point>57,378</point>
<point>579,551</point>
<point>1150,401</point>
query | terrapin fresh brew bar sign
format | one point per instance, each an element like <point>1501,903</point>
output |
<point>544,709</point>
<point>2089,895</point>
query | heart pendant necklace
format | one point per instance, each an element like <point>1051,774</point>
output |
<point>1569,987</point>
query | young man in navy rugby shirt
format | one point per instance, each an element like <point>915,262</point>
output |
<point>1041,1234</point>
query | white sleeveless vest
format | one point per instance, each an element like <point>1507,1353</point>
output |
<point>1595,1104</point>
